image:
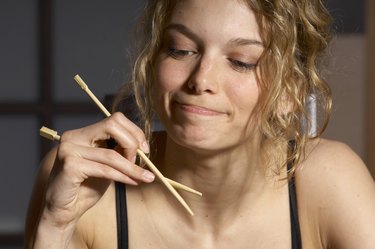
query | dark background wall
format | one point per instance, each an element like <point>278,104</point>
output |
<point>349,15</point>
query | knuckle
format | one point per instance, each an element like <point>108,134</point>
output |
<point>140,134</point>
<point>118,122</point>
<point>69,160</point>
<point>67,156</point>
<point>69,164</point>
<point>67,136</point>
<point>135,169</point>
<point>116,119</point>
<point>132,143</point>
<point>63,150</point>
<point>118,116</point>
<point>111,123</point>
<point>113,156</point>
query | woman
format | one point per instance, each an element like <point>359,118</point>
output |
<point>229,81</point>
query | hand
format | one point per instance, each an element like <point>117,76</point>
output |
<point>83,170</point>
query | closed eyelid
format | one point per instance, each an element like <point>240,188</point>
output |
<point>243,66</point>
<point>232,43</point>
<point>248,57</point>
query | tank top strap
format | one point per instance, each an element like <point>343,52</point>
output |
<point>293,208</point>
<point>121,216</point>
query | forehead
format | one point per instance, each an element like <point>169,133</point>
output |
<point>232,18</point>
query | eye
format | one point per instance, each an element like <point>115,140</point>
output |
<point>180,53</point>
<point>241,66</point>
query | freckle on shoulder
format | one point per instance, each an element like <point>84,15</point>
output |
<point>326,151</point>
<point>325,157</point>
<point>328,167</point>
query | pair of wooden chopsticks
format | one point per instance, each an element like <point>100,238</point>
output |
<point>170,184</point>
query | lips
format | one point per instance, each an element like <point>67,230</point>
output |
<point>199,109</point>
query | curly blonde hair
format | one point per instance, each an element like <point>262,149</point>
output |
<point>295,33</point>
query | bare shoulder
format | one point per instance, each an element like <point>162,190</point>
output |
<point>334,183</point>
<point>334,159</point>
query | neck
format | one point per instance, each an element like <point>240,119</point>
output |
<point>228,180</point>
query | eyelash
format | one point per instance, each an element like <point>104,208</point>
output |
<point>235,64</point>
<point>179,54</point>
<point>242,66</point>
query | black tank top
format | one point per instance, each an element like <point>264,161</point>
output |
<point>122,217</point>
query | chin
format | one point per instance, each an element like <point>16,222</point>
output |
<point>192,138</point>
<point>203,140</point>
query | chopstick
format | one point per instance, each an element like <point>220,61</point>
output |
<point>151,166</point>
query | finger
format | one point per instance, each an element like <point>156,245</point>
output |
<point>110,158</point>
<point>127,135</point>
<point>90,169</point>
<point>72,182</point>
<point>78,169</point>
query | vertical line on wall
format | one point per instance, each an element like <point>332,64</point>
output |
<point>45,24</point>
<point>370,99</point>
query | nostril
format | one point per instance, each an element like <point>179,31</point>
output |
<point>195,88</point>
<point>203,79</point>
<point>191,86</point>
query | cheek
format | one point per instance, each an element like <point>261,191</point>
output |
<point>169,76</point>
<point>161,86</point>
<point>244,96</point>
<point>245,100</point>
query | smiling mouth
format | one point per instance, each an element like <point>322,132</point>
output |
<point>199,110</point>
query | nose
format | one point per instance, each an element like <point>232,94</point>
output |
<point>204,77</point>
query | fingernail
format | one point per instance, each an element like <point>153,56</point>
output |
<point>145,147</point>
<point>148,176</point>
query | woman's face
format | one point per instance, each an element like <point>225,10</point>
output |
<point>206,87</point>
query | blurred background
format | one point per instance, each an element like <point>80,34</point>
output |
<point>44,43</point>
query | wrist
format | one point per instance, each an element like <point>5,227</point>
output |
<point>52,232</point>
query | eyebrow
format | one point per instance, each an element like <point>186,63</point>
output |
<point>183,29</point>
<point>245,42</point>
<point>233,42</point>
